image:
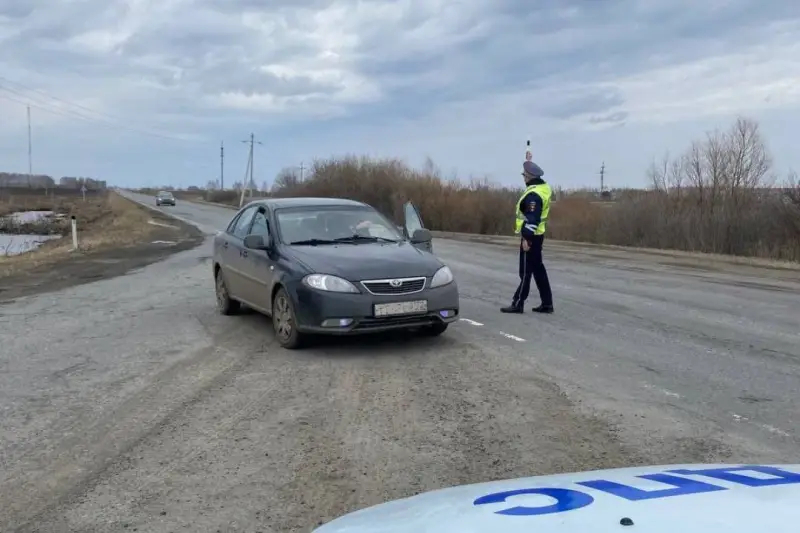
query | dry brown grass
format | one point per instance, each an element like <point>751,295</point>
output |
<point>104,221</point>
<point>714,199</point>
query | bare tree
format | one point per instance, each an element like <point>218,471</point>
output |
<point>657,174</point>
<point>287,178</point>
<point>716,163</point>
<point>791,204</point>
<point>694,171</point>
<point>750,160</point>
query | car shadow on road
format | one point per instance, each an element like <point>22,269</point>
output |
<point>392,343</point>
<point>375,344</point>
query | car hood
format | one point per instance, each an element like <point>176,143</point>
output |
<point>657,499</point>
<point>357,262</point>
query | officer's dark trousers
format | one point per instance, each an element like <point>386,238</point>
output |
<point>531,265</point>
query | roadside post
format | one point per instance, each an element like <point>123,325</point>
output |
<point>74,233</point>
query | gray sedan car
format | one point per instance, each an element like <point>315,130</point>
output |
<point>332,266</point>
<point>165,198</point>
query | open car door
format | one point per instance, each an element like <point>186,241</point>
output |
<point>413,225</point>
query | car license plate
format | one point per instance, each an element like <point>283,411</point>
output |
<point>401,308</point>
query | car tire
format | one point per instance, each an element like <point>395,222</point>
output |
<point>284,321</point>
<point>434,330</point>
<point>225,304</point>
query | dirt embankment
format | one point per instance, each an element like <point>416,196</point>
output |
<point>115,235</point>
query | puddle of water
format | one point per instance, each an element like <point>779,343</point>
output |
<point>20,244</point>
<point>29,217</point>
<point>14,244</point>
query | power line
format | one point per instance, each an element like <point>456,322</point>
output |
<point>73,104</point>
<point>28,100</point>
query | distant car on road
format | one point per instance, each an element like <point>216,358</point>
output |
<point>332,266</point>
<point>165,198</point>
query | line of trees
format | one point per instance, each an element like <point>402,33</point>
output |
<point>719,196</point>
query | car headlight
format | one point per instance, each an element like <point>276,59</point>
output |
<point>326,282</point>
<point>443,276</point>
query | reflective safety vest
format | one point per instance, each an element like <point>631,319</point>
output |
<point>542,190</point>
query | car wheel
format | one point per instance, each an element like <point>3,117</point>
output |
<point>284,321</point>
<point>225,305</point>
<point>434,330</point>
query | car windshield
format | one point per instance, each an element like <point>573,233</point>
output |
<point>164,194</point>
<point>334,224</point>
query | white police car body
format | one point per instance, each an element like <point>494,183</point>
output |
<point>659,499</point>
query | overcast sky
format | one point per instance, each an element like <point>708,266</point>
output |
<point>141,92</point>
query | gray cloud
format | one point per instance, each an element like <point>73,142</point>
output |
<point>583,103</point>
<point>618,117</point>
<point>427,54</point>
<point>16,9</point>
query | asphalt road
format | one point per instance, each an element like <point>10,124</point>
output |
<point>129,404</point>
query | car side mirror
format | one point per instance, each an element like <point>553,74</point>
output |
<point>421,235</point>
<point>256,242</point>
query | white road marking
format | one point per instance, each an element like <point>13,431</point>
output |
<point>153,222</point>
<point>666,392</point>
<point>773,429</point>
<point>164,242</point>
<point>510,336</point>
<point>472,322</point>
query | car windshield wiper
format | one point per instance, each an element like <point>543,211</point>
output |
<point>313,242</point>
<point>363,238</point>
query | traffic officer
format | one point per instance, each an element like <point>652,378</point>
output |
<point>532,211</point>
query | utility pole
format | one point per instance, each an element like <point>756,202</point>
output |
<point>222,165</point>
<point>301,171</point>
<point>602,177</point>
<point>252,142</point>
<point>30,151</point>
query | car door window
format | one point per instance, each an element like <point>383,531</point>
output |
<point>260,225</point>
<point>413,220</point>
<point>243,224</point>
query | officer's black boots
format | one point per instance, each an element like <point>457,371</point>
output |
<point>543,309</point>
<point>516,309</point>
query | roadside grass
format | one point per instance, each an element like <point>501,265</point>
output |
<point>103,221</point>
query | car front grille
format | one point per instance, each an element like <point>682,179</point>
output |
<point>389,287</point>
<point>396,321</point>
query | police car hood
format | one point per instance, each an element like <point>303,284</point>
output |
<point>658,499</point>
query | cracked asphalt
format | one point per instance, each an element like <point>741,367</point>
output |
<point>128,404</point>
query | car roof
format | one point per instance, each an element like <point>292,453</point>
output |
<point>307,201</point>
